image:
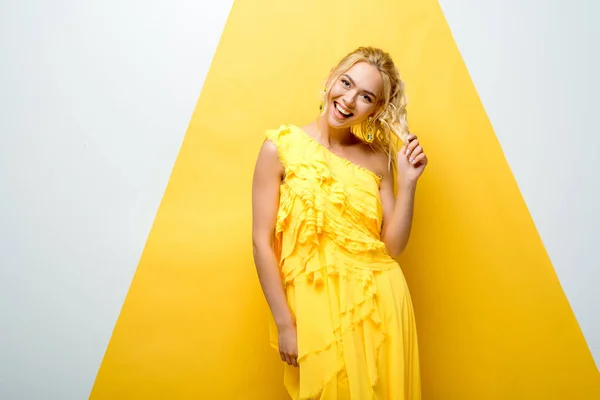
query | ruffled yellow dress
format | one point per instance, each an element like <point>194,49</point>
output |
<point>357,337</point>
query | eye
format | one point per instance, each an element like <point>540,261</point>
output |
<point>345,83</point>
<point>368,98</point>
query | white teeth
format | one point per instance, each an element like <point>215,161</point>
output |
<point>343,111</point>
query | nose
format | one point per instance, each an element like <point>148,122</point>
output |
<point>349,100</point>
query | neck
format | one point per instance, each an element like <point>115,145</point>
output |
<point>333,136</point>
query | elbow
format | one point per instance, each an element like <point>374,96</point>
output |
<point>394,248</point>
<point>256,249</point>
<point>260,246</point>
<point>394,252</point>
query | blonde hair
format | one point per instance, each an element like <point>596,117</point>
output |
<point>388,124</point>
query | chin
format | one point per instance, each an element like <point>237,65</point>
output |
<point>334,123</point>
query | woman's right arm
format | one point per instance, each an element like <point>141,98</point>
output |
<point>268,174</point>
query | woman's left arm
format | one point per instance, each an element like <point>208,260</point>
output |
<point>398,207</point>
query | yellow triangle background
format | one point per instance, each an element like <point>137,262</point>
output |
<point>492,319</point>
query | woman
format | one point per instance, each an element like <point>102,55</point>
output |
<point>332,208</point>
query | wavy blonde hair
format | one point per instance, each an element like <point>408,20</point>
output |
<point>388,123</point>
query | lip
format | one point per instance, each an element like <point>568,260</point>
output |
<point>338,115</point>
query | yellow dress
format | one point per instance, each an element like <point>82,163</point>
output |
<point>354,317</point>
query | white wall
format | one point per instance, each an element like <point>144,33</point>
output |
<point>535,66</point>
<point>95,98</point>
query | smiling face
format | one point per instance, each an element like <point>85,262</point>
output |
<point>354,96</point>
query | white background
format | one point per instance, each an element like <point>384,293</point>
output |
<point>96,98</point>
<point>535,66</point>
<point>95,101</point>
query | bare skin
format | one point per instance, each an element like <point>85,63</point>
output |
<point>356,93</point>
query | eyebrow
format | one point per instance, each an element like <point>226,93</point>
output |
<point>366,91</point>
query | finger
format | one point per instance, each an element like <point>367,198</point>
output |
<point>295,357</point>
<point>414,153</point>
<point>420,159</point>
<point>407,148</point>
<point>403,149</point>
<point>413,144</point>
<point>406,142</point>
<point>288,359</point>
<point>295,361</point>
<point>282,356</point>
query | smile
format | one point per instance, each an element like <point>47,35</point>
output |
<point>344,112</point>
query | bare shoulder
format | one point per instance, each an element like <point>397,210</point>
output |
<point>377,160</point>
<point>269,148</point>
<point>268,161</point>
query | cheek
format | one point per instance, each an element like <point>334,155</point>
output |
<point>364,109</point>
<point>334,92</point>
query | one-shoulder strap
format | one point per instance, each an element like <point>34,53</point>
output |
<point>286,142</point>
